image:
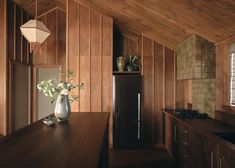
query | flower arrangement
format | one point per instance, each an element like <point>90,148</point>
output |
<point>52,89</point>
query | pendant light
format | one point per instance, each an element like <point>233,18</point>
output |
<point>35,32</point>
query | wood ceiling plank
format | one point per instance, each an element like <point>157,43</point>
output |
<point>43,5</point>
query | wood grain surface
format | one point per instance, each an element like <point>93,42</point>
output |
<point>76,143</point>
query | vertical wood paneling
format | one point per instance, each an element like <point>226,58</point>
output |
<point>220,50</point>
<point>51,42</point>
<point>95,61</point>
<point>148,87</point>
<point>131,47</point>
<point>11,26</point>
<point>73,44</point>
<point>158,89</point>
<point>90,55</point>
<point>53,49</point>
<point>41,58</point>
<point>61,40</point>
<point>3,66</point>
<point>169,78</point>
<point>18,36</point>
<point>106,48</point>
<point>159,83</point>
<point>25,45</point>
<point>85,63</point>
<point>107,36</point>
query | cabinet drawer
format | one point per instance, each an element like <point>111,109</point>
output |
<point>184,157</point>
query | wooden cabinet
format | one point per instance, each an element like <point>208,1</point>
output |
<point>193,148</point>
<point>226,157</point>
<point>184,144</point>
<point>170,134</point>
<point>205,151</point>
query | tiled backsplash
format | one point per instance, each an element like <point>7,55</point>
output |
<point>203,96</point>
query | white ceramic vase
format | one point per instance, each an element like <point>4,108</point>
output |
<point>62,108</point>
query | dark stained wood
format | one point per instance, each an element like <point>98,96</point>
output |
<point>201,142</point>
<point>170,135</point>
<point>3,67</point>
<point>226,157</point>
<point>141,158</point>
<point>206,149</point>
<point>76,143</point>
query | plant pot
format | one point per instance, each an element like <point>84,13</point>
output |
<point>62,108</point>
<point>129,68</point>
<point>121,63</point>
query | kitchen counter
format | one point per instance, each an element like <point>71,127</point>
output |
<point>82,142</point>
<point>206,127</point>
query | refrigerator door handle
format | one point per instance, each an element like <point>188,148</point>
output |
<point>139,106</point>
<point>139,98</point>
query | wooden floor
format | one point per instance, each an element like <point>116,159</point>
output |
<point>141,158</point>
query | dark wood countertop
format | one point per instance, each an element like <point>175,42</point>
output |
<point>76,143</point>
<point>207,127</point>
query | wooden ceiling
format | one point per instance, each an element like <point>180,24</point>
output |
<point>166,21</point>
<point>42,5</point>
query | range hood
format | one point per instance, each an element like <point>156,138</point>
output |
<point>196,59</point>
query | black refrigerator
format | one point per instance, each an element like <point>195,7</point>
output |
<point>127,127</point>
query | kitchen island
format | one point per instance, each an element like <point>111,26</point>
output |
<point>81,142</point>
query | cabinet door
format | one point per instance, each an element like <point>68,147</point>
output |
<point>20,98</point>
<point>170,134</point>
<point>184,145</point>
<point>226,157</point>
<point>205,151</point>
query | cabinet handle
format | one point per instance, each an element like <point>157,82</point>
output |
<point>221,162</point>
<point>185,156</point>
<point>139,106</point>
<point>138,131</point>
<point>212,159</point>
<point>175,133</point>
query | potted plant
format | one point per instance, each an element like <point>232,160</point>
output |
<point>62,93</point>
<point>132,64</point>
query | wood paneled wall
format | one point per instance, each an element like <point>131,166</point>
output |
<point>159,82</point>
<point>54,48</point>
<point>224,111</point>
<point>90,38</point>
<point>18,47</point>
<point>158,70</point>
<point>3,65</point>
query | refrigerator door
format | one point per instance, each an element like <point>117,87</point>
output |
<point>127,134</point>
<point>126,97</point>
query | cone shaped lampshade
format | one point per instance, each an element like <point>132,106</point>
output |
<point>35,31</point>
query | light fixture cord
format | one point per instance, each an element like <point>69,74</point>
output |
<point>36,9</point>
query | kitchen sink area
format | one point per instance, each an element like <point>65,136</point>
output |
<point>228,136</point>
